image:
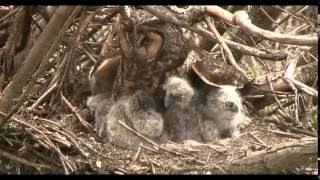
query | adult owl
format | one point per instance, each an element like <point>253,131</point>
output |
<point>149,49</point>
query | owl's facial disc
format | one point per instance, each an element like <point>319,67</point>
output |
<point>139,42</point>
<point>148,46</point>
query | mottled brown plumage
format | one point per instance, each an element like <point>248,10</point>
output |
<point>150,49</point>
<point>153,52</point>
<point>217,73</point>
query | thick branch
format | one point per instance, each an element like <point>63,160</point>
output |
<point>279,157</point>
<point>166,15</point>
<point>278,84</point>
<point>241,18</point>
<point>14,89</point>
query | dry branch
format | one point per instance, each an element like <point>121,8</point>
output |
<point>36,54</point>
<point>278,84</point>
<point>279,157</point>
<point>165,149</point>
<point>84,123</point>
<point>166,15</point>
<point>71,146</point>
<point>241,18</point>
<point>14,157</point>
<point>226,49</point>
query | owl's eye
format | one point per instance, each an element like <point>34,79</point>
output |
<point>145,41</point>
<point>153,43</point>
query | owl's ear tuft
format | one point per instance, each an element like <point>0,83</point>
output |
<point>123,40</point>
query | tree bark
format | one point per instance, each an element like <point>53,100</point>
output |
<point>279,157</point>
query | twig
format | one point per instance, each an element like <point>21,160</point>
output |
<point>9,14</point>
<point>288,77</point>
<point>75,143</point>
<point>167,150</point>
<point>276,109</point>
<point>50,143</point>
<point>218,150</point>
<point>286,134</point>
<point>231,33</point>
<point>226,49</point>
<point>84,123</point>
<point>258,96</point>
<point>275,24</point>
<point>146,147</point>
<point>7,140</point>
<point>43,157</point>
<point>39,140</point>
<point>20,102</point>
<point>208,158</point>
<point>300,131</point>
<point>58,22</point>
<point>287,117</point>
<point>288,16</point>
<point>89,55</point>
<point>294,14</point>
<point>279,157</point>
<point>75,137</point>
<point>153,170</point>
<point>258,140</point>
<point>28,163</point>
<point>120,171</point>
<point>20,78</point>
<point>259,144</point>
<point>43,96</point>
<point>137,154</point>
<point>241,18</point>
<point>305,88</point>
<point>166,15</point>
<point>276,98</point>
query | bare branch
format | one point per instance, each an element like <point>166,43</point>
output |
<point>14,89</point>
<point>166,15</point>
<point>241,18</point>
<point>226,49</point>
<point>279,157</point>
